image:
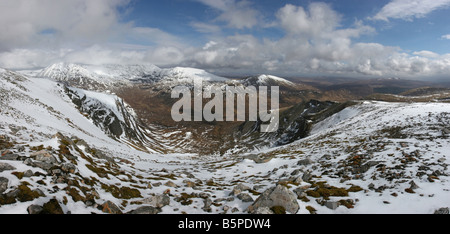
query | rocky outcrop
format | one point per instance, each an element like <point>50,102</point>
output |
<point>279,196</point>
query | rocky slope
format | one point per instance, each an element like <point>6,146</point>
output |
<point>57,156</point>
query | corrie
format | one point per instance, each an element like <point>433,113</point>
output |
<point>258,104</point>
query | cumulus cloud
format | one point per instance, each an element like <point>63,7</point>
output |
<point>236,14</point>
<point>410,9</point>
<point>315,42</point>
<point>447,37</point>
<point>26,22</point>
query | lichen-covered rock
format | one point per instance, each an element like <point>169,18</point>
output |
<point>263,211</point>
<point>157,201</point>
<point>6,167</point>
<point>145,210</point>
<point>52,207</point>
<point>43,156</point>
<point>245,197</point>
<point>3,184</point>
<point>277,196</point>
<point>110,208</point>
<point>305,162</point>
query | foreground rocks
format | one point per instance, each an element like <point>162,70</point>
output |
<point>274,198</point>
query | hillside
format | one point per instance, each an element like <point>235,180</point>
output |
<point>62,153</point>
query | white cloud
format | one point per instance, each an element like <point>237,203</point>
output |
<point>319,20</point>
<point>447,37</point>
<point>409,9</point>
<point>426,54</point>
<point>26,22</point>
<point>205,28</point>
<point>236,14</point>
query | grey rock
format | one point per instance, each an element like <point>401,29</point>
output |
<point>101,155</point>
<point>260,159</point>
<point>234,210</point>
<point>157,201</point>
<point>277,196</point>
<point>10,157</point>
<point>307,176</point>
<point>3,184</point>
<point>35,209</point>
<point>68,168</point>
<point>111,208</point>
<point>446,131</point>
<point>442,211</point>
<point>28,173</point>
<point>245,197</point>
<point>171,184</point>
<point>43,165</point>
<point>413,185</point>
<point>238,189</point>
<point>44,156</point>
<point>204,195</point>
<point>149,210</point>
<point>305,162</point>
<point>56,171</point>
<point>333,205</point>
<point>300,192</point>
<point>263,211</point>
<point>242,187</point>
<point>207,204</point>
<point>366,167</point>
<point>296,172</point>
<point>6,167</point>
<point>298,180</point>
<point>157,184</point>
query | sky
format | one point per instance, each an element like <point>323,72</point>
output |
<point>289,38</point>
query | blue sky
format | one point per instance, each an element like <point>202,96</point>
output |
<point>361,38</point>
<point>176,16</point>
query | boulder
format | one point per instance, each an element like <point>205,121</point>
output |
<point>28,173</point>
<point>276,197</point>
<point>157,201</point>
<point>207,204</point>
<point>245,197</point>
<point>442,211</point>
<point>145,210</point>
<point>333,205</point>
<point>238,189</point>
<point>307,176</point>
<point>68,168</point>
<point>305,162</point>
<point>111,208</point>
<point>6,167</point>
<point>35,209</point>
<point>52,207</point>
<point>263,211</point>
<point>44,156</point>
<point>10,157</point>
<point>3,184</point>
<point>171,184</point>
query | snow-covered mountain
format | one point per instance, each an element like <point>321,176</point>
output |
<point>67,150</point>
<point>102,77</point>
<point>109,75</point>
<point>266,80</point>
